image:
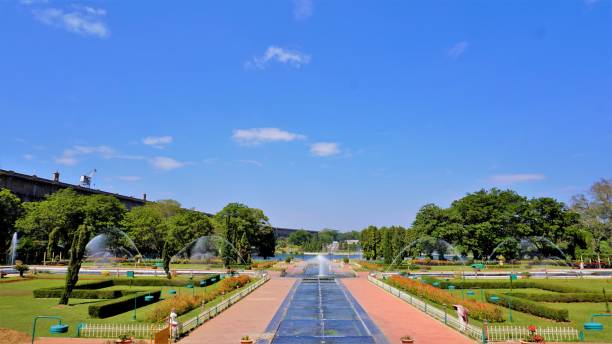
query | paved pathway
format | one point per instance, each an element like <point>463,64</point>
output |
<point>396,318</point>
<point>250,316</point>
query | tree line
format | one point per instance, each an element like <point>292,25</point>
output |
<point>63,223</point>
<point>480,221</point>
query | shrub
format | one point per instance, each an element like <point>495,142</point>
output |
<point>345,260</point>
<point>562,297</point>
<point>505,284</point>
<point>288,259</point>
<point>120,305</point>
<point>184,303</point>
<point>21,267</point>
<point>81,293</point>
<point>531,307</point>
<point>152,282</point>
<point>477,310</point>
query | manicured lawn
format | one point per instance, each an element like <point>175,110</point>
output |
<point>18,306</point>
<point>579,312</point>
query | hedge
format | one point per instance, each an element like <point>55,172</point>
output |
<point>531,307</point>
<point>478,310</point>
<point>123,304</point>
<point>496,284</point>
<point>164,282</point>
<point>84,290</point>
<point>81,293</point>
<point>565,297</point>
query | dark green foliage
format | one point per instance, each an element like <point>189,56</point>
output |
<point>162,282</point>
<point>123,304</point>
<point>387,247</point>
<point>10,210</point>
<point>81,293</point>
<point>531,307</point>
<point>561,297</point>
<point>496,284</point>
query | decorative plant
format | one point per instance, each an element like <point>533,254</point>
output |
<point>345,260</point>
<point>21,267</point>
<point>245,338</point>
<point>406,339</point>
<point>533,337</point>
<point>125,336</point>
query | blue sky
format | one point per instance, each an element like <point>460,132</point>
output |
<point>330,113</point>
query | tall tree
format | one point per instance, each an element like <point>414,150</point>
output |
<point>596,212</point>
<point>10,210</point>
<point>99,212</point>
<point>387,246</point>
<point>183,228</point>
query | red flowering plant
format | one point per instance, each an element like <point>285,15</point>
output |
<point>533,337</point>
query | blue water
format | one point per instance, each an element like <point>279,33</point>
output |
<point>320,310</point>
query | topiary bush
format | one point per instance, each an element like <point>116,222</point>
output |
<point>120,305</point>
<point>531,307</point>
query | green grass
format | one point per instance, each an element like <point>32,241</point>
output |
<point>579,312</point>
<point>18,306</point>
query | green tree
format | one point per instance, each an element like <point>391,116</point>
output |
<point>387,246</point>
<point>595,210</point>
<point>10,210</point>
<point>300,237</point>
<point>99,212</point>
<point>183,228</point>
<point>146,225</point>
<point>244,249</point>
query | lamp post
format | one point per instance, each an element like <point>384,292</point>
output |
<point>145,298</point>
<point>59,328</point>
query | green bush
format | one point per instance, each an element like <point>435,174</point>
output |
<point>564,297</point>
<point>505,284</point>
<point>81,293</point>
<point>164,282</point>
<point>531,307</point>
<point>123,304</point>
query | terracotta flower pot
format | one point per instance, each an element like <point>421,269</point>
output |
<point>407,341</point>
<point>246,341</point>
<point>124,341</point>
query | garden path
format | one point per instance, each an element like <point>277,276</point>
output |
<point>396,318</point>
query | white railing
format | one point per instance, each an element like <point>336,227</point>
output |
<point>449,319</point>
<point>148,330</point>
<point>553,334</point>
<point>116,330</point>
<point>212,312</point>
<point>493,333</point>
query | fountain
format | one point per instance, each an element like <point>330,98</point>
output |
<point>111,246</point>
<point>206,250</point>
<point>13,250</point>
<point>426,247</point>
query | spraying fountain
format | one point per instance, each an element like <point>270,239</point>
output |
<point>111,246</point>
<point>12,254</point>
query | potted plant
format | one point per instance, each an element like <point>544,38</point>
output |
<point>246,340</point>
<point>532,337</point>
<point>406,340</point>
<point>125,338</point>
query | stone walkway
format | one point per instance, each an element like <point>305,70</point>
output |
<point>249,316</point>
<point>396,318</point>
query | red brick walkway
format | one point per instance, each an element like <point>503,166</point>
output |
<point>396,318</point>
<point>249,316</point>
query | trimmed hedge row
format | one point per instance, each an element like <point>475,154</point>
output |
<point>84,290</point>
<point>164,282</point>
<point>531,307</point>
<point>81,293</point>
<point>565,297</point>
<point>123,304</point>
<point>520,284</point>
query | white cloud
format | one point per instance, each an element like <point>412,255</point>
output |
<point>516,178</point>
<point>255,136</point>
<point>281,55</point>
<point>157,141</point>
<point>32,2</point>
<point>324,148</point>
<point>458,49</point>
<point>302,9</point>
<point>28,157</point>
<point>129,178</point>
<point>165,163</point>
<point>70,156</point>
<point>84,20</point>
<point>251,162</point>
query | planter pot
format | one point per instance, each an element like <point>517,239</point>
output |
<point>407,341</point>
<point>124,341</point>
<point>246,341</point>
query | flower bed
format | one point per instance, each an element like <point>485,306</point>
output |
<point>184,303</point>
<point>477,310</point>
